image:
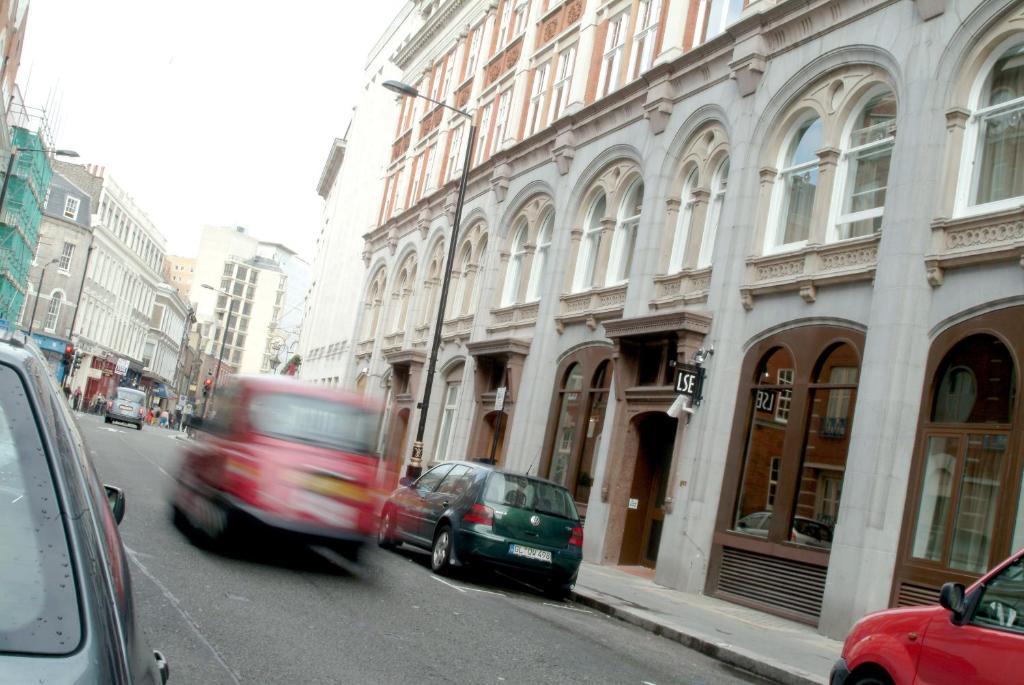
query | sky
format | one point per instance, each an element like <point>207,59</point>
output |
<point>214,112</point>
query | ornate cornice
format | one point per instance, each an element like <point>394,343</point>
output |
<point>499,346</point>
<point>433,25</point>
<point>658,323</point>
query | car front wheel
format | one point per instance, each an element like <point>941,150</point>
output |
<point>441,555</point>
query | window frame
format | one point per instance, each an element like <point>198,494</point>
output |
<point>713,217</point>
<point>967,176</point>
<point>623,247</point>
<point>611,56</point>
<point>684,222</point>
<point>71,207</point>
<point>776,233</point>
<point>847,153</point>
<point>561,87</point>
<point>66,255</point>
<point>514,270</point>
<point>545,232</point>
<point>585,272</point>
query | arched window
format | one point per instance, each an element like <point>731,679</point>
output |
<point>432,285</point>
<point>565,433</point>
<point>796,186</point>
<point>458,304</point>
<point>719,184</point>
<point>996,136</point>
<point>513,274</point>
<point>682,234</point>
<point>624,238</point>
<point>452,385</point>
<point>403,291</point>
<point>53,311</point>
<point>866,153</point>
<point>965,455</point>
<point>586,263</point>
<point>373,305</point>
<point>540,257</point>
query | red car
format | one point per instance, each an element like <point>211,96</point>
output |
<point>974,636</point>
<point>284,455</point>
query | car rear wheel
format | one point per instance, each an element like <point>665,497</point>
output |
<point>106,419</point>
<point>386,531</point>
<point>869,676</point>
<point>441,554</point>
<point>138,426</point>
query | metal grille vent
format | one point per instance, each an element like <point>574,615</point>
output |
<point>773,582</point>
<point>916,595</point>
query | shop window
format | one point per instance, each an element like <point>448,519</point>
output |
<point>764,443</point>
<point>995,168</point>
<point>798,183</point>
<point>867,152</point>
<point>565,433</point>
<point>831,399</point>
<point>444,436</point>
<point>802,399</point>
<point>597,403</point>
<point>965,455</point>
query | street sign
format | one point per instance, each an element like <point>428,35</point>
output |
<point>122,366</point>
<point>764,400</point>
<point>499,399</point>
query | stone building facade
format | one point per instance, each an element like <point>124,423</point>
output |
<point>825,194</point>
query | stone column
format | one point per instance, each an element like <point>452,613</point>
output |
<point>828,161</point>
<point>584,52</point>
<point>575,235</point>
<point>668,237</point>
<point>956,125</point>
<point>675,28</point>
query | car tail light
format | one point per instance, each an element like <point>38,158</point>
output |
<point>109,404</point>
<point>479,513</point>
<point>141,412</point>
<point>576,539</point>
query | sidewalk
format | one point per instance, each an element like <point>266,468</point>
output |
<point>772,647</point>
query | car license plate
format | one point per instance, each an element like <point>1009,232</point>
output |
<point>125,407</point>
<point>530,553</point>
<point>335,487</point>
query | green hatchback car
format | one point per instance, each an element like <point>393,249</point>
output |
<point>469,513</point>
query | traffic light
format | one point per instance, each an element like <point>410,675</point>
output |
<point>207,384</point>
<point>77,363</point>
<point>69,354</point>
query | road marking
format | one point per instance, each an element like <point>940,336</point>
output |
<point>176,603</point>
<point>442,580</point>
<point>562,606</point>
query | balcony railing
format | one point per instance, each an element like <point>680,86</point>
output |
<point>592,306</point>
<point>514,316</point>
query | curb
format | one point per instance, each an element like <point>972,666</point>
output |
<point>724,652</point>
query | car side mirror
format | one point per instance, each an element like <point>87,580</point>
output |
<point>115,498</point>
<point>405,481</point>
<point>951,597</point>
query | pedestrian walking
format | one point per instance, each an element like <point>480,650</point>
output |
<point>77,402</point>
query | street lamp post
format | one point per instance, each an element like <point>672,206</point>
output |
<point>39,290</point>
<point>223,336</point>
<point>415,466</point>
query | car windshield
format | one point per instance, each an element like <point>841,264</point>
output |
<point>527,493</point>
<point>38,601</point>
<point>314,421</point>
<point>129,395</point>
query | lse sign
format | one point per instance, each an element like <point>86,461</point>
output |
<point>690,382</point>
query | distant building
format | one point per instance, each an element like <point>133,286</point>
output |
<point>121,285</point>
<point>253,275</point>
<point>65,240</point>
<point>178,273</point>
<point>161,352</point>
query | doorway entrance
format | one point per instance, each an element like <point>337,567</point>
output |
<point>654,435</point>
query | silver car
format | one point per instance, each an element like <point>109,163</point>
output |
<point>127,406</point>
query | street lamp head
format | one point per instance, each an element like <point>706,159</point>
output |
<point>401,88</point>
<point>66,153</point>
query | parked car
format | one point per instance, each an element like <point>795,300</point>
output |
<point>804,530</point>
<point>469,513</point>
<point>127,406</point>
<point>67,604</point>
<point>283,455</point>
<point>971,636</point>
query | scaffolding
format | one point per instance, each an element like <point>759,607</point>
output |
<point>23,203</point>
